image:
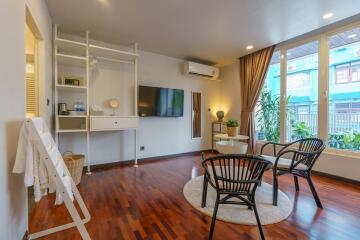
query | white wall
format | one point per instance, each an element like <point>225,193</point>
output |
<point>163,136</point>
<point>230,99</point>
<point>159,136</point>
<point>13,212</point>
<point>345,165</point>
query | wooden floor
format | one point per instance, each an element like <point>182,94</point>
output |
<point>148,203</point>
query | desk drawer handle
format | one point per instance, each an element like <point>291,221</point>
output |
<point>116,122</point>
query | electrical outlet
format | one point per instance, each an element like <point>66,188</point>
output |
<point>142,148</point>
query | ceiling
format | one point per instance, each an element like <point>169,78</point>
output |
<point>209,30</point>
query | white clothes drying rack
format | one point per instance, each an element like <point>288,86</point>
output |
<point>53,173</point>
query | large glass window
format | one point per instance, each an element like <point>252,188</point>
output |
<point>268,107</point>
<point>297,85</point>
<point>302,91</point>
<point>344,90</point>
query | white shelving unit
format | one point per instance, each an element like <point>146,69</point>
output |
<point>76,54</point>
<point>71,53</point>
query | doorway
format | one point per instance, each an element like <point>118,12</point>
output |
<point>33,82</point>
<point>32,78</point>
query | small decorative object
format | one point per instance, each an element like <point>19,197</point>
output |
<point>220,115</point>
<point>62,109</point>
<point>95,110</point>
<point>232,126</point>
<point>72,80</point>
<point>79,107</point>
<point>114,104</point>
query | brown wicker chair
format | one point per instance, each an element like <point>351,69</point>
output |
<point>296,158</point>
<point>234,177</point>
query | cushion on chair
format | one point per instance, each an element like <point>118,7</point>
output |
<point>284,162</point>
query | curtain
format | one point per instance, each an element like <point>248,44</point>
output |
<point>253,69</point>
<point>196,100</point>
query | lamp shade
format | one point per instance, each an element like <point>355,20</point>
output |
<point>220,115</point>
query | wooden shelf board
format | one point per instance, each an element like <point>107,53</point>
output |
<point>63,40</point>
<point>71,88</point>
<point>72,116</point>
<point>71,60</point>
<point>110,53</point>
<point>71,130</point>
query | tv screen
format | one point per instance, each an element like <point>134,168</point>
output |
<point>160,102</point>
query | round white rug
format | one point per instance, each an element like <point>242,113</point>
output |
<point>268,213</point>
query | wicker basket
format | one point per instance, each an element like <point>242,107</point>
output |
<point>75,164</point>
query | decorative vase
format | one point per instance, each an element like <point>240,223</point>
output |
<point>232,131</point>
<point>220,115</point>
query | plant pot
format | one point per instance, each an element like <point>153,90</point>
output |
<point>232,131</point>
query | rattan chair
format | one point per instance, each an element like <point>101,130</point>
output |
<point>296,158</point>
<point>235,178</point>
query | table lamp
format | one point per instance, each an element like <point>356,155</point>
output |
<point>114,104</point>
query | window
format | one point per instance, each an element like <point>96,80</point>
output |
<point>267,120</point>
<point>342,73</point>
<point>347,73</point>
<point>302,110</point>
<point>352,107</point>
<point>344,99</point>
<point>301,91</point>
<point>289,107</point>
<point>355,72</point>
<point>298,80</point>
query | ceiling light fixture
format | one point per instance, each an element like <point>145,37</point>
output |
<point>249,47</point>
<point>328,15</point>
<point>352,35</point>
<point>104,2</point>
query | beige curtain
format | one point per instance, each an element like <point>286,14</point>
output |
<point>253,68</point>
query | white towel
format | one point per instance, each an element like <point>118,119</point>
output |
<point>28,160</point>
<point>24,162</point>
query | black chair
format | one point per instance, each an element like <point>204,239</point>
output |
<point>234,177</point>
<point>296,158</point>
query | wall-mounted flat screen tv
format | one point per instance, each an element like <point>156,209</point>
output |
<point>160,102</point>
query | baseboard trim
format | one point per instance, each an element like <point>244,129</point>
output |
<point>328,175</point>
<point>104,166</point>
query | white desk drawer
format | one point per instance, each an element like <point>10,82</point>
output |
<point>106,123</point>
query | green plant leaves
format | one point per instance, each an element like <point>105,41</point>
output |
<point>268,115</point>
<point>232,123</point>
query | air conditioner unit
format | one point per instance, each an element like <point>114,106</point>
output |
<point>201,70</point>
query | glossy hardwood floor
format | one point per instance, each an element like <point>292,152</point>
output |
<point>148,203</point>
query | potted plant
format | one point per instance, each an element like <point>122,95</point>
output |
<point>232,127</point>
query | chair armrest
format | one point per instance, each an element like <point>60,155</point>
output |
<point>274,144</point>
